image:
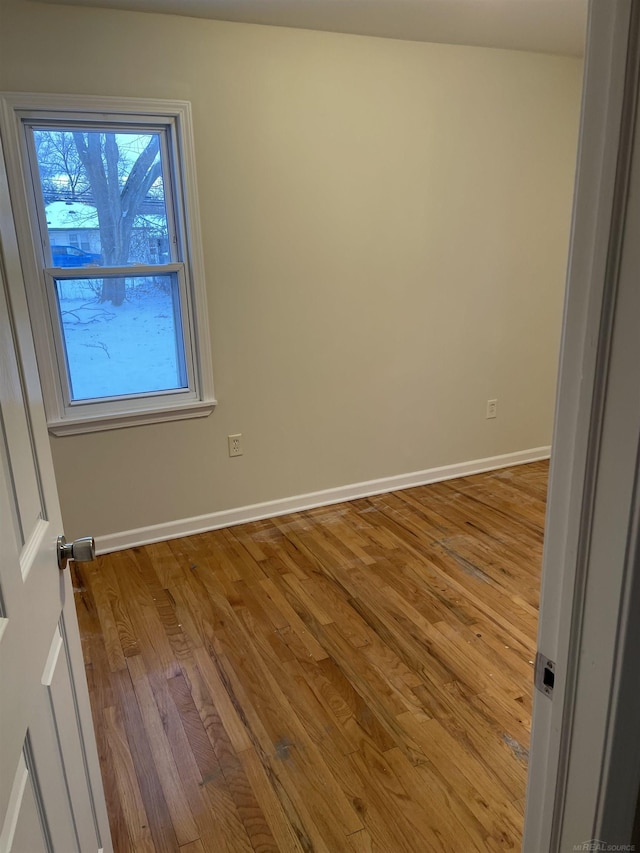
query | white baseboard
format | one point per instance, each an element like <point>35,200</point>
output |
<point>254,512</point>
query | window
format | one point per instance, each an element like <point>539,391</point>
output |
<point>110,233</point>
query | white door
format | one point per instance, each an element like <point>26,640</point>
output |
<point>51,796</point>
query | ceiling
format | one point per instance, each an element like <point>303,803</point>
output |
<point>544,26</point>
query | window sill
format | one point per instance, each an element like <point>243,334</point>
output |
<point>76,426</point>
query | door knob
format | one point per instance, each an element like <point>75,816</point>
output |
<point>81,550</point>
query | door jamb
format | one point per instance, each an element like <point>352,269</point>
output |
<point>583,367</point>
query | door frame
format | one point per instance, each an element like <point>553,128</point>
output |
<point>575,792</point>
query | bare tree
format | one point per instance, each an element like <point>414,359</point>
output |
<point>61,171</point>
<point>118,199</point>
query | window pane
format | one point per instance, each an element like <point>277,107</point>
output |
<point>135,348</point>
<point>104,196</point>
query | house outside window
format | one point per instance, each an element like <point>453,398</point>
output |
<point>109,229</point>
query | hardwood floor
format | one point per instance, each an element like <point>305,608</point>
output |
<point>354,678</point>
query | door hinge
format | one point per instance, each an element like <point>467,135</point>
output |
<point>545,674</point>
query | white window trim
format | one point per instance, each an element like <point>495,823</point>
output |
<point>143,410</point>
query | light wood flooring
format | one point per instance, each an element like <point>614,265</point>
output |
<point>354,678</point>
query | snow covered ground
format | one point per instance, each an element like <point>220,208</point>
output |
<point>129,349</point>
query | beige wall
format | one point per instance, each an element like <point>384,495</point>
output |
<point>385,233</point>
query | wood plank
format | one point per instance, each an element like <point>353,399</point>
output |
<point>193,847</point>
<point>126,631</point>
<point>293,620</point>
<point>181,816</point>
<point>135,815</point>
<point>285,824</point>
<point>219,764</point>
<point>103,696</point>
<point>209,683</point>
<point>155,804</point>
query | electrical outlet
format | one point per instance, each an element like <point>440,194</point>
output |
<point>235,444</point>
<point>492,409</point>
